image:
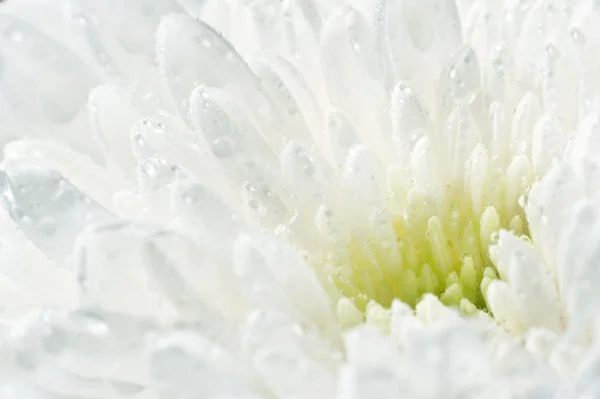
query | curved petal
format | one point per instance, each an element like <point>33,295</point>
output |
<point>49,210</point>
<point>532,283</point>
<point>45,83</point>
<point>191,53</point>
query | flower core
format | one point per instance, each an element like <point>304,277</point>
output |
<point>425,245</point>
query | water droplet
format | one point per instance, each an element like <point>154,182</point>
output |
<point>203,41</point>
<point>54,341</point>
<point>309,169</point>
<point>552,51</point>
<point>453,74</point>
<point>48,226</point>
<point>494,237</point>
<point>578,37</point>
<point>149,169</point>
<point>185,105</point>
<point>93,323</point>
<point>250,164</point>
<point>223,147</point>
<point>15,35</point>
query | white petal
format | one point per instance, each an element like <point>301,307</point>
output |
<point>505,306</point>
<point>425,166</point>
<point>531,281</point>
<point>191,53</point>
<point>547,143</point>
<point>172,277</point>
<point>196,279</point>
<point>47,207</point>
<point>306,176</point>
<point>477,177</point>
<point>58,80</point>
<point>277,89</point>
<point>303,93</point>
<point>28,278</point>
<point>363,176</point>
<point>353,76</point>
<point>409,120</point>
<point>285,372</point>
<point>121,35</point>
<point>97,182</point>
<point>112,113</point>
<point>273,276</point>
<point>546,208</point>
<point>184,362</point>
<point>404,326</point>
<point>231,137</point>
<point>206,216</point>
<point>526,115</point>
<point>577,260</point>
<point>110,264</point>
<point>461,136</point>
<point>342,135</point>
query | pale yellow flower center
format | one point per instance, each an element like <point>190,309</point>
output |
<point>441,248</point>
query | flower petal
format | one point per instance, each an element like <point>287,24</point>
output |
<point>274,277</point>
<point>531,281</point>
<point>99,183</point>
<point>577,260</point>
<point>206,216</point>
<point>547,206</point>
<point>231,137</point>
<point>183,362</point>
<point>110,264</point>
<point>112,114</point>
<point>190,53</point>
<point>505,306</point>
<point>122,51</point>
<point>45,83</point>
<point>47,207</point>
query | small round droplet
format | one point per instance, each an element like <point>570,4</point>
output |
<point>55,341</point>
<point>453,74</point>
<point>309,169</point>
<point>223,147</point>
<point>48,226</point>
<point>494,237</point>
<point>149,169</point>
<point>92,323</point>
<point>578,37</point>
<point>15,35</point>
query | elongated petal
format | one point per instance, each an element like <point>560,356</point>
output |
<point>47,207</point>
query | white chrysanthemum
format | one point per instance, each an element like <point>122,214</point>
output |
<point>202,197</point>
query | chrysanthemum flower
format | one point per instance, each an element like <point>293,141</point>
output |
<point>299,199</point>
